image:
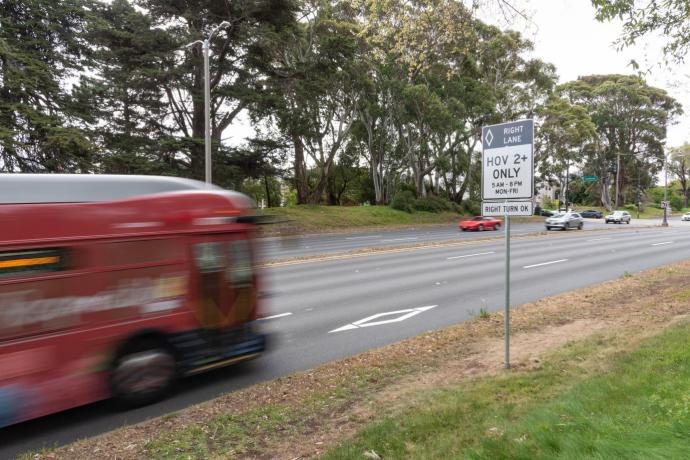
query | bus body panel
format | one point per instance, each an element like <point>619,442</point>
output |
<point>79,280</point>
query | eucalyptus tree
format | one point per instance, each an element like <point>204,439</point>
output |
<point>631,119</point>
<point>679,165</point>
<point>641,18</point>
<point>564,133</point>
<point>313,84</point>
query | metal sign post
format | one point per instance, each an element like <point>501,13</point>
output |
<point>508,176</point>
<point>506,313</point>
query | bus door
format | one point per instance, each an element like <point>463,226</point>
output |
<point>223,281</point>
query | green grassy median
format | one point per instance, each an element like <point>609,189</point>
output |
<point>637,407</point>
<point>313,219</point>
<point>298,220</point>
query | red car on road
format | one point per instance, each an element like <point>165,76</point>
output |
<point>480,224</point>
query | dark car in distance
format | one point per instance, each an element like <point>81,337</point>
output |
<point>592,214</point>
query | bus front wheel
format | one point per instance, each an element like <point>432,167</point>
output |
<point>143,373</point>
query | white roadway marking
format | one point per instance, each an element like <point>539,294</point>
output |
<point>276,316</point>
<point>406,314</point>
<point>470,255</point>
<point>546,263</point>
<point>400,239</point>
<point>362,237</point>
<point>599,239</point>
<point>659,244</point>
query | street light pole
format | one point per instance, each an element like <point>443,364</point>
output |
<point>618,172</point>
<point>206,51</point>
<point>207,111</point>
<point>664,223</point>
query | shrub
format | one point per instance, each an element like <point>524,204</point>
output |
<point>403,201</point>
<point>432,204</point>
<point>471,207</point>
<point>676,202</point>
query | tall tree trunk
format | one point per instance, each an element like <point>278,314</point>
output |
<point>605,195</point>
<point>301,180</point>
<point>332,194</point>
<point>317,193</point>
<point>268,191</point>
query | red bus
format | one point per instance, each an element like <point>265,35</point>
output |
<point>115,286</point>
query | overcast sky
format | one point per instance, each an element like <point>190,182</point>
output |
<point>566,34</point>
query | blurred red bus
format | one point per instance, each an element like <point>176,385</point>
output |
<point>117,285</point>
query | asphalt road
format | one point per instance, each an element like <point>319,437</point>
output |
<point>275,248</point>
<point>321,311</point>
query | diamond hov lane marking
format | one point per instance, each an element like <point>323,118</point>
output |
<point>400,315</point>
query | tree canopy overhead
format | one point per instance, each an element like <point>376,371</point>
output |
<point>41,47</point>
<point>668,18</point>
<point>351,102</point>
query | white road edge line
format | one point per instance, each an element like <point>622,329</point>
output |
<point>362,237</point>
<point>400,239</point>
<point>665,242</point>
<point>546,263</point>
<point>276,316</point>
<point>471,255</point>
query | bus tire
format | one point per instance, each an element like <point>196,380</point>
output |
<point>143,372</point>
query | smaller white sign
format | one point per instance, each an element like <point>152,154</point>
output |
<point>510,208</point>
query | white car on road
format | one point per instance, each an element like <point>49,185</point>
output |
<point>686,216</point>
<point>564,221</point>
<point>618,217</point>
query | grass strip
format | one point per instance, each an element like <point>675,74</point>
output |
<point>304,219</point>
<point>638,408</point>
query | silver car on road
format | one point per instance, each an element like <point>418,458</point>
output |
<point>618,217</point>
<point>564,221</point>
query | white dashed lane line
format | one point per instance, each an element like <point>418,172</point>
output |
<point>470,255</point>
<point>662,243</point>
<point>546,263</point>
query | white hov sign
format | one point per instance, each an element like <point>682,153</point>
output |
<point>510,208</point>
<point>508,161</point>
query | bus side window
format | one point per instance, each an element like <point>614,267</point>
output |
<point>209,257</point>
<point>31,262</point>
<point>240,271</point>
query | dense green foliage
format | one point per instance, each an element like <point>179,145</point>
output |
<point>351,103</point>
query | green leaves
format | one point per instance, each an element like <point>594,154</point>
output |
<point>41,45</point>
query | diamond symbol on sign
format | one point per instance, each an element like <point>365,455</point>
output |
<point>399,315</point>
<point>489,137</point>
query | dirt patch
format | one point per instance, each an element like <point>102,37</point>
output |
<point>332,402</point>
